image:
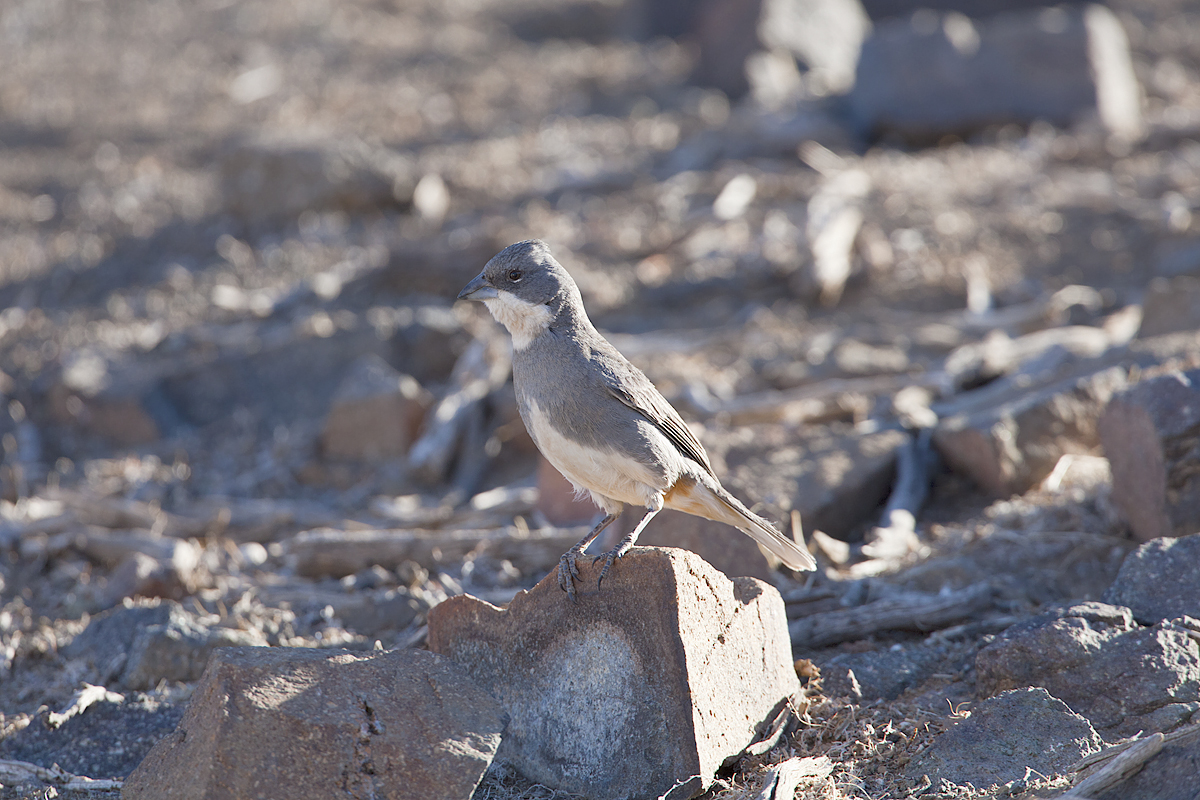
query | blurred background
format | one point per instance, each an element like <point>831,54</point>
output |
<point>231,235</point>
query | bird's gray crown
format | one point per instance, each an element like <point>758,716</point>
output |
<point>528,271</point>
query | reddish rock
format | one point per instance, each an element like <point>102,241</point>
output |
<point>1151,435</point>
<point>1012,441</point>
<point>376,413</point>
<point>1171,305</point>
<point>119,418</point>
<point>556,498</point>
<point>646,684</point>
<point>292,722</point>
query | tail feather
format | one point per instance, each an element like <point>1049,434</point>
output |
<point>707,498</point>
<point>763,532</point>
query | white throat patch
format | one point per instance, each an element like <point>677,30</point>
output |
<point>524,320</point>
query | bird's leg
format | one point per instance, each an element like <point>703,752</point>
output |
<point>567,571</point>
<point>625,544</point>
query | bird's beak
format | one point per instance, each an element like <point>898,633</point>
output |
<point>478,289</point>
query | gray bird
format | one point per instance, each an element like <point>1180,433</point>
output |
<point>596,417</point>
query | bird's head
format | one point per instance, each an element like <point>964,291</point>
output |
<point>525,288</point>
<point>525,270</point>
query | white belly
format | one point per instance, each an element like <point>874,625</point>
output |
<point>602,472</point>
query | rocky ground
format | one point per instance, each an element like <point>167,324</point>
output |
<point>226,227</point>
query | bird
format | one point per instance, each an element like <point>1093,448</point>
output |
<point>597,418</point>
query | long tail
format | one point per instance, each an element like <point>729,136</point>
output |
<point>707,498</point>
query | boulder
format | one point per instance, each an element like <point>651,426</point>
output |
<point>1004,738</point>
<point>822,37</point>
<point>275,176</point>
<point>293,722</point>
<point>931,75</point>
<point>1095,658</point>
<point>639,689</point>
<point>1160,580</point>
<point>557,500</point>
<point>1151,435</point>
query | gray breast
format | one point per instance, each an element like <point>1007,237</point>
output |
<point>565,375</point>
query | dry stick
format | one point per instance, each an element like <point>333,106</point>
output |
<point>480,369</point>
<point>896,534</point>
<point>331,552</point>
<point>19,772</point>
<point>1122,767</point>
<point>1120,762</point>
<point>922,614</point>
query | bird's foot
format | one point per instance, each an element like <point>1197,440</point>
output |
<point>568,571</point>
<point>612,555</point>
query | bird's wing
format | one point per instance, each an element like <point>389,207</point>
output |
<point>636,391</point>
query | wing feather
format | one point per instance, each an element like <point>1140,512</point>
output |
<point>637,392</point>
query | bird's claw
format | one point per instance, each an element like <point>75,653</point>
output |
<point>568,572</point>
<point>609,558</point>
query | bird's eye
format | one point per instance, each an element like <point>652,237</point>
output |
<point>514,275</point>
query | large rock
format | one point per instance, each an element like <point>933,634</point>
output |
<point>822,36</point>
<point>1020,730</point>
<point>261,369</point>
<point>1160,580</point>
<point>557,499</point>
<point>280,175</point>
<point>932,75</point>
<point>1122,677</point>
<point>376,413</point>
<point>291,722</point>
<point>1010,443</point>
<point>139,644</point>
<point>648,683</point>
<point>1151,435</point>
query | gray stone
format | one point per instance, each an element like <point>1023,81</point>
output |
<point>1160,580</point>
<point>882,9</point>
<point>879,674</point>
<point>141,643</point>
<point>292,722</point>
<point>1093,657</point>
<point>651,681</point>
<point>1151,435</point>
<point>933,75</point>
<point>277,176</point>
<point>1020,730</point>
